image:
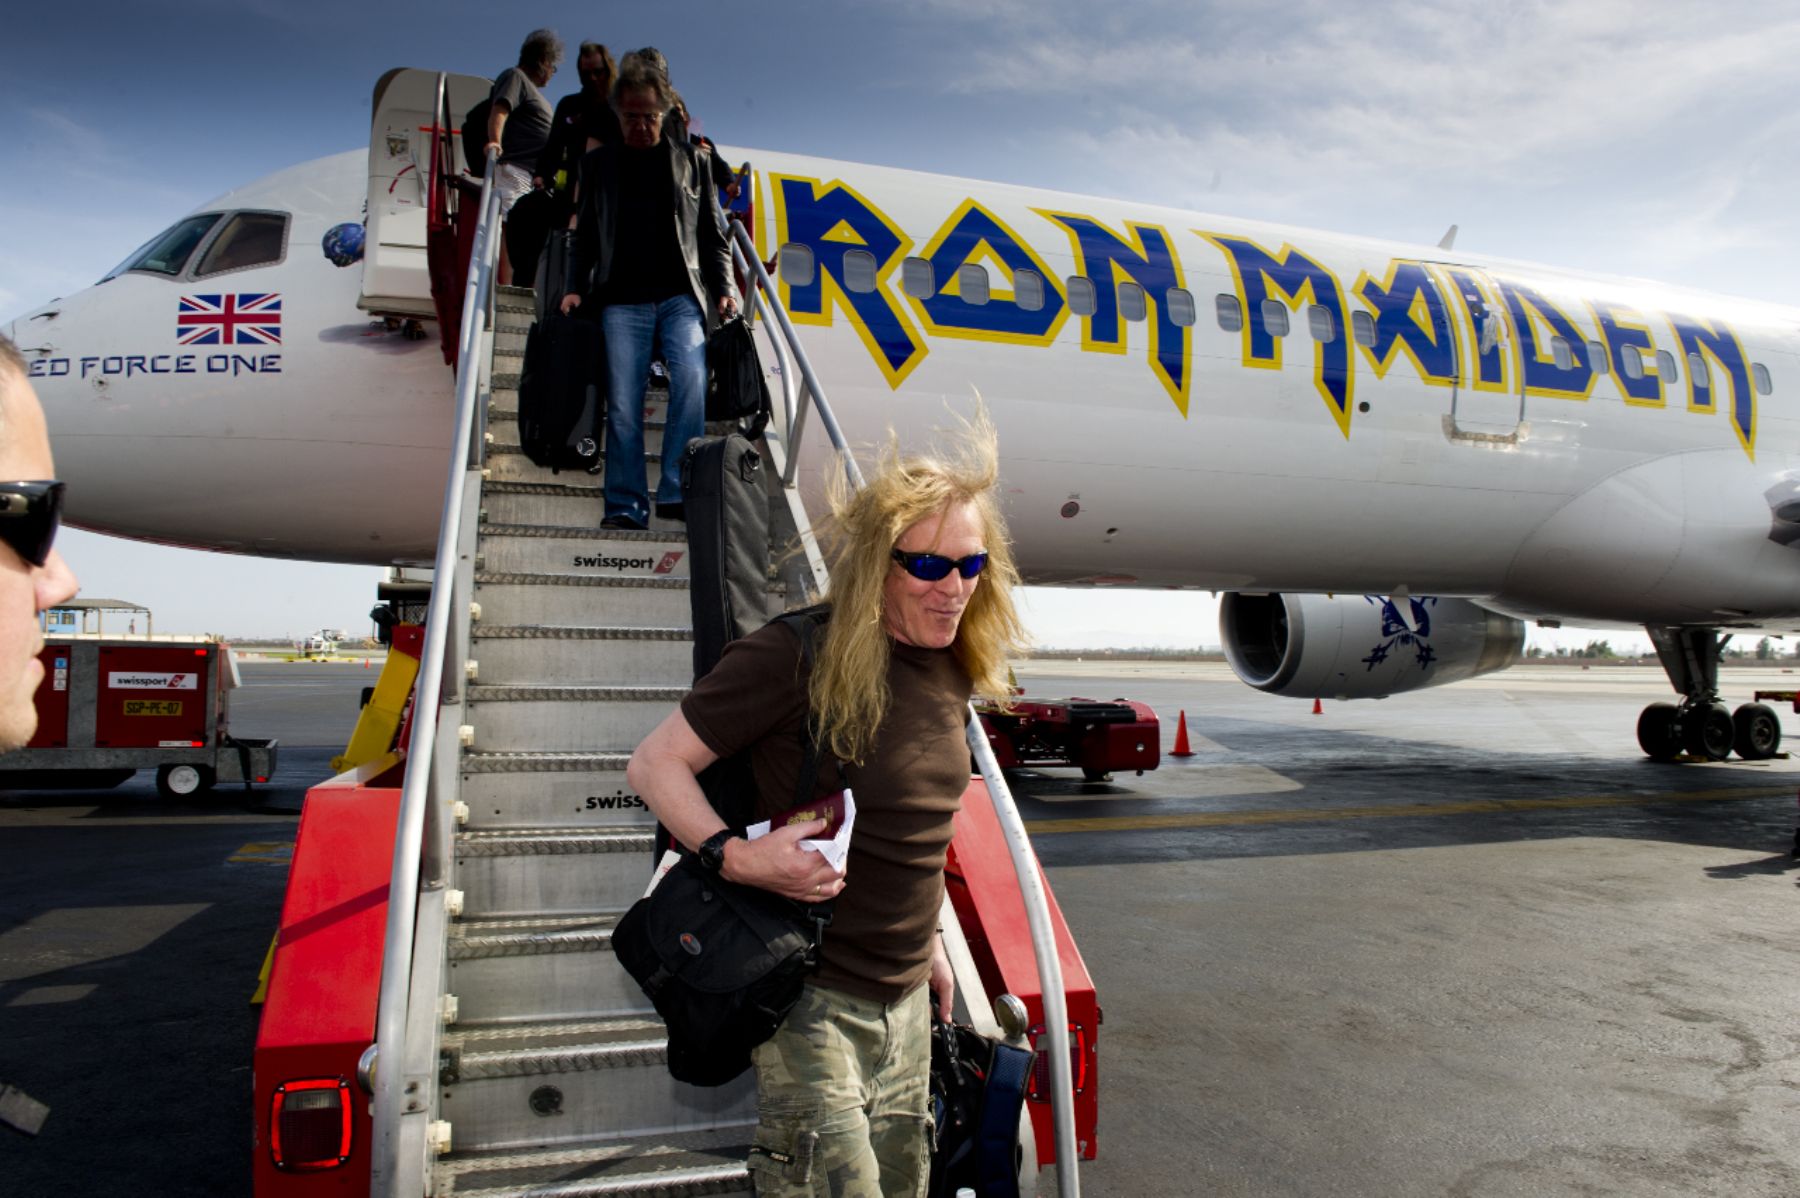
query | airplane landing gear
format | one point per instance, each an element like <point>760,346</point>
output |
<point>1702,725</point>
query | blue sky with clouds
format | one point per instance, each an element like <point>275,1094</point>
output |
<point>1649,139</point>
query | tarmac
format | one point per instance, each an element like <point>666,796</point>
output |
<point>1461,942</point>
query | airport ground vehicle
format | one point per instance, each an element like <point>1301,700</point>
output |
<point>444,947</point>
<point>1093,735</point>
<point>110,706</point>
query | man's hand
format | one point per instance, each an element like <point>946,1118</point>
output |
<point>943,979</point>
<point>728,307</point>
<point>776,862</point>
<point>570,302</point>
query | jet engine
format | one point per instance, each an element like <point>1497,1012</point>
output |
<point>1362,646</point>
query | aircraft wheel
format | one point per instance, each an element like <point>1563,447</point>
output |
<point>183,781</point>
<point>1757,731</point>
<point>1095,775</point>
<point>1709,732</point>
<point>1657,734</point>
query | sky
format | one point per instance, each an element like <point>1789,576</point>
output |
<point>1646,138</point>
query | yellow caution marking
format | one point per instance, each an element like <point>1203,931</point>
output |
<point>262,978</point>
<point>1219,819</point>
<point>265,852</point>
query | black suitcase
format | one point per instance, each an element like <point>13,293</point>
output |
<point>562,393</point>
<point>728,543</point>
<point>552,271</point>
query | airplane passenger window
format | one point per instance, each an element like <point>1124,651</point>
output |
<point>1631,360</point>
<point>1562,354</point>
<point>168,251</point>
<point>1362,328</point>
<point>1597,358</point>
<point>1318,319</point>
<point>916,278</point>
<point>1275,318</point>
<point>1665,367</point>
<point>972,282</point>
<point>1698,372</point>
<point>1028,290</point>
<point>248,239</point>
<point>796,264</point>
<point>1083,299</point>
<point>859,271</point>
<point>1231,317</point>
<point>1759,372</point>
<point>1131,302</point>
<point>1180,305</point>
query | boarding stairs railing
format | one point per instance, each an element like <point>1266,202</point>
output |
<point>513,1055</point>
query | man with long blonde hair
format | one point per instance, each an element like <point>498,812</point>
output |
<point>920,617</point>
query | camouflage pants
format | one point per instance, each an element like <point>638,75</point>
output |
<point>842,1095</point>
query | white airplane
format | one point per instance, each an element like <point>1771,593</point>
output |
<point>1388,455</point>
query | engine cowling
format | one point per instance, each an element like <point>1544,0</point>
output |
<point>1362,646</point>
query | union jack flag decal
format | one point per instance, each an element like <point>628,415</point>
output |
<point>247,318</point>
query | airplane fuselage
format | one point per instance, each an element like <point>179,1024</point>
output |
<point>1429,420</point>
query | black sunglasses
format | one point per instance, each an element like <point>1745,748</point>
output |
<point>930,567</point>
<point>29,515</point>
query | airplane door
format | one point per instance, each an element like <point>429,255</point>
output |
<point>1487,400</point>
<point>396,279</point>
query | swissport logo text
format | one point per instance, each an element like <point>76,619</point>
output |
<point>153,682</point>
<point>582,561</point>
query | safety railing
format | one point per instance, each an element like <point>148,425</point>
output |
<point>425,823</point>
<point>790,352</point>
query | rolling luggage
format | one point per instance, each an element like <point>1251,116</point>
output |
<point>562,393</point>
<point>728,542</point>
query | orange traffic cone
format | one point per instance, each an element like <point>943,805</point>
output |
<point>1181,741</point>
<point>1318,707</point>
<point>365,663</point>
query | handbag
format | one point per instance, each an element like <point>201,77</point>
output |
<point>735,387</point>
<point>724,963</point>
<point>977,1095</point>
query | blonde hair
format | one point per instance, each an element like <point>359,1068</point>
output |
<point>849,694</point>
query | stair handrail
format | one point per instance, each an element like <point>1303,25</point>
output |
<point>419,820</point>
<point>1012,824</point>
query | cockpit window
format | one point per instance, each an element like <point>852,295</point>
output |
<point>167,253</point>
<point>248,239</point>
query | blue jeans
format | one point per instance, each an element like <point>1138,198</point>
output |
<point>632,330</point>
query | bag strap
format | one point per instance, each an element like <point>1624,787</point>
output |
<point>805,624</point>
<point>999,1131</point>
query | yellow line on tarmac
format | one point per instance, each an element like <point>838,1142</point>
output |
<point>1217,819</point>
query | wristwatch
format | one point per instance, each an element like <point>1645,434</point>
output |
<point>712,853</point>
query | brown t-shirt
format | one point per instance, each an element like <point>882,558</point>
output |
<point>907,791</point>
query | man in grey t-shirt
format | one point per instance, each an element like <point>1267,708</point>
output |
<point>519,122</point>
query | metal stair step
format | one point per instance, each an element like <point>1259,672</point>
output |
<point>550,790</point>
<point>503,394</point>
<point>533,1084</point>
<point>543,967</point>
<point>662,552</point>
<point>555,654</point>
<point>505,461</point>
<point>695,1163</point>
<point>564,718</point>
<point>581,599</point>
<point>533,872</point>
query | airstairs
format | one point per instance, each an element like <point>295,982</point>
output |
<point>513,1055</point>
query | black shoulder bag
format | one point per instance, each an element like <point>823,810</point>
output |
<point>723,963</point>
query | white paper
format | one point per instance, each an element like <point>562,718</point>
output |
<point>837,849</point>
<point>662,867</point>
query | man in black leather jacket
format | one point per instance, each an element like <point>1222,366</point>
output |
<point>653,279</point>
